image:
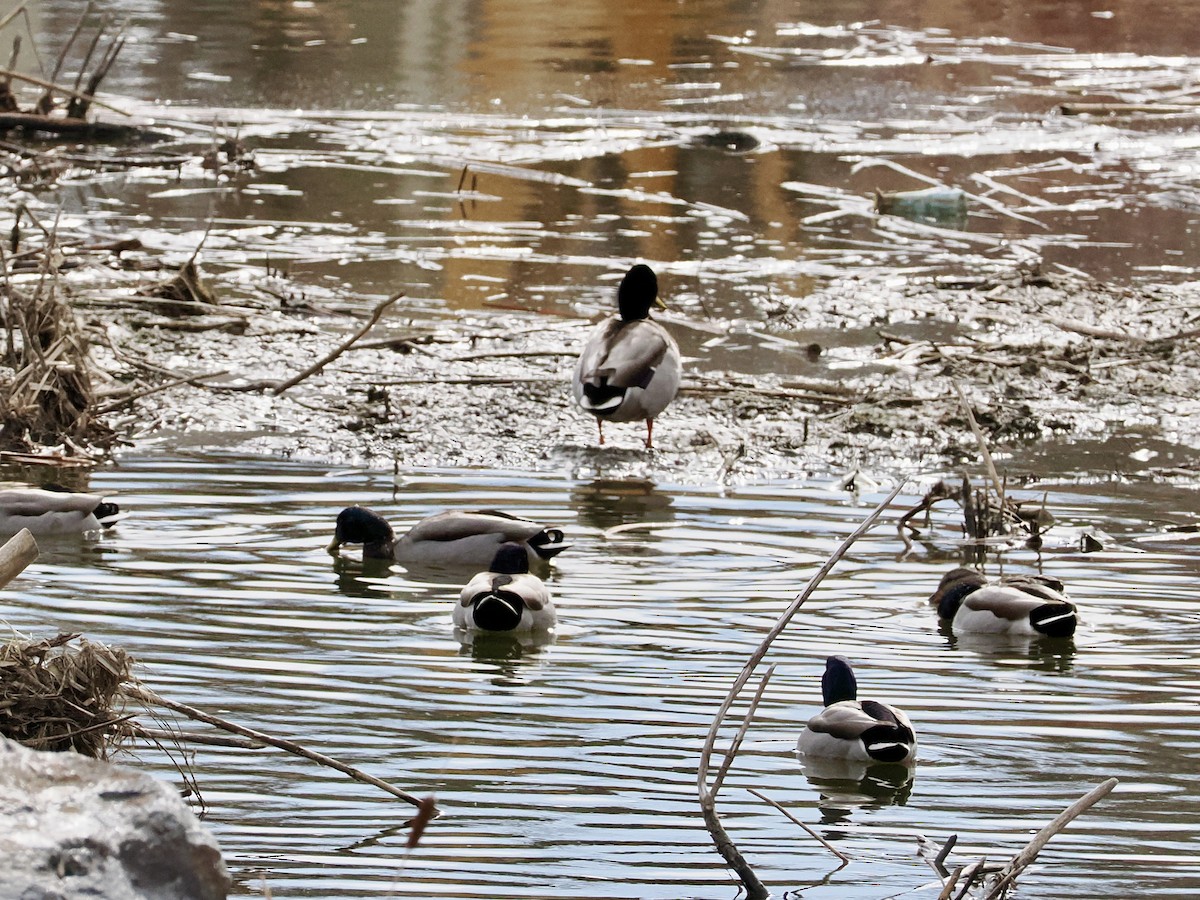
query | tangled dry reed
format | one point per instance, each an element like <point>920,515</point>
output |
<point>46,391</point>
<point>62,693</point>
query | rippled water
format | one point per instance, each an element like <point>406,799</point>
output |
<point>568,770</point>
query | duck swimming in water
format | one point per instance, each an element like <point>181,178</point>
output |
<point>853,729</point>
<point>505,598</point>
<point>54,510</point>
<point>455,538</point>
<point>630,366</point>
<point>1022,604</point>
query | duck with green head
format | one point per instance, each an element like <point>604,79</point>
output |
<point>630,367</point>
<point>849,728</point>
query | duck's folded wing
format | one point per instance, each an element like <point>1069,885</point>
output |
<point>35,502</point>
<point>627,355</point>
<point>1048,589</point>
<point>457,525</point>
<point>845,720</point>
<point>1004,602</point>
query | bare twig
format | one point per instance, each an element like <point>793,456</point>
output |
<point>136,729</point>
<point>49,85</point>
<point>951,881</point>
<point>146,695</point>
<point>824,843</point>
<point>736,744</point>
<point>9,16</point>
<point>158,388</point>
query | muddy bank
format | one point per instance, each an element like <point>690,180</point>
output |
<point>1041,360</point>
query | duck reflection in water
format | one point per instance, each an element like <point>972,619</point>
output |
<point>605,503</point>
<point>846,785</point>
<point>505,657</point>
<point>1040,654</point>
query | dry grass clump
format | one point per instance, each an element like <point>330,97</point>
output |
<point>46,392</point>
<point>62,693</point>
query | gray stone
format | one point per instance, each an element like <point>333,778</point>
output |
<point>73,827</point>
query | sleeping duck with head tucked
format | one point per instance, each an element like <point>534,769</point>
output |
<point>1021,604</point>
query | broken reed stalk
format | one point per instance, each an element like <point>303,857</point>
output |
<point>736,744</point>
<point>983,447</point>
<point>18,552</point>
<point>138,692</point>
<point>61,88</point>
<point>755,890</point>
<point>1029,853</point>
<point>951,881</point>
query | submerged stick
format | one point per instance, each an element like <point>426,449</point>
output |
<point>755,890</point>
<point>146,695</point>
<point>1029,853</point>
<point>18,552</point>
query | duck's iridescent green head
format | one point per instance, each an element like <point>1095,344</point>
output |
<point>838,683</point>
<point>638,293</point>
<point>359,525</point>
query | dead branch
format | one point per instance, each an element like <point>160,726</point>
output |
<point>376,313</point>
<point>146,392</point>
<point>137,730</point>
<point>18,552</point>
<point>736,744</point>
<point>1029,853</point>
<point>144,694</point>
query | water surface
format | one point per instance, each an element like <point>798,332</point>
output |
<point>568,769</point>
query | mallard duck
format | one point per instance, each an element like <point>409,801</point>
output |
<point>457,538</point>
<point>629,368</point>
<point>848,728</point>
<point>505,598</point>
<point>54,510</point>
<point>1022,604</point>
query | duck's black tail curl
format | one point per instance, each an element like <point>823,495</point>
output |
<point>548,542</point>
<point>1054,619</point>
<point>106,513</point>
